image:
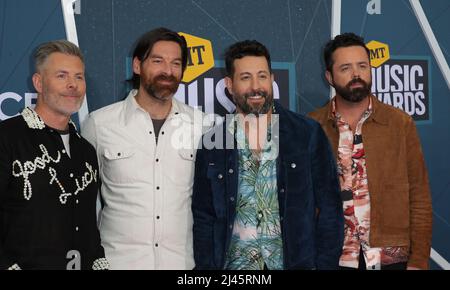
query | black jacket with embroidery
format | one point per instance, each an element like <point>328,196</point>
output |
<point>47,199</point>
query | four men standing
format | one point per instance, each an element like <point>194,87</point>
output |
<point>274,199</point>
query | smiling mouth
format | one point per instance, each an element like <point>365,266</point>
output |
<point>257,97</point>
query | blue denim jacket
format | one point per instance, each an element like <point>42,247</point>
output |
<point>312,222</point>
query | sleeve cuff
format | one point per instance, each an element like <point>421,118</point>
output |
<point>14,267</point>
<point>100,264</point>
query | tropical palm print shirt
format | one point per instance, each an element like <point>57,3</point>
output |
<point>356,199</point>
<point>256,239</point>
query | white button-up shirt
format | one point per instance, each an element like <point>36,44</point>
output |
<point>146,222</point>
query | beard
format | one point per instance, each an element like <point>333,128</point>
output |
<point>160,91</point>
<point>242,104</point>
<point>355,95</point>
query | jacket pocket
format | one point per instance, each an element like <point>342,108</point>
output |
<point>395,206</point>
<point>118,165</point>
<point>187,154</point>
<point>217,180</point>
<point>117,153</point>
<point>297,174</point>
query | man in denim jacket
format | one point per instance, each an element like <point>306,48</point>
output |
<point>269,197</point>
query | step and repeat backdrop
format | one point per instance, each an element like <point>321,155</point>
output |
<point>408,41</point>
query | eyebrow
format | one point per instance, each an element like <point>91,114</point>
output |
<point>259,72</point>
<point>160,56</point>
<point>66,72</point>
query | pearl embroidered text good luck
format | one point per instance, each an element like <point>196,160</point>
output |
<point>86,179</point>
<point>29,167</point>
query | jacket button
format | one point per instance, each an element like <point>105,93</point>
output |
<point>220,176</point>
<point>231,227</point>
<point>232,198</point>
<point>293,165</point>
<point>282,190</point>
<point>231,171</point>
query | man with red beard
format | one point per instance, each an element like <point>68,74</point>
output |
<point>383,179</point>
<point>270,200</point>
<point>146,150</point>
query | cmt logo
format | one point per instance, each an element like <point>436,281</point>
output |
<point>11,104</point>
<point>379,53</point>
<point>200,58</point>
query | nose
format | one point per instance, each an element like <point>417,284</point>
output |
<point>255,85</point>
<point>356,73</point>
<point>167,69</point>
<point>71,83</point>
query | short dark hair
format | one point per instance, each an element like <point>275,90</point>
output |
<point>244,48</point>
<point>43,51</point>
<point>343,40</point>
<point>145,45</point>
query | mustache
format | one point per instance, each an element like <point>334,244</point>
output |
<point>261,93</point>
<point>356,81</point>
<point>172,78</point>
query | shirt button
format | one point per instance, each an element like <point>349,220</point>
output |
<point>156,245</point>
<point>150,132</point>
<point>63,151</point>
<point>118,154</point>
<point>373,267</point>
<point>77,228</point>
<point>76,201</point>
<point>71,175</point>
<point>157,160</point>
<point>157,217</point>
<point>231,171</point>
<point>162,133</point>
<point>220,176</point>
<point>157,188</point>
<point>293,165</point>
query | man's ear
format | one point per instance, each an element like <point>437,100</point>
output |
<point>229,84</point>
<point>136,66</point>
<point>37,82</point>
<point>329,77</point>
